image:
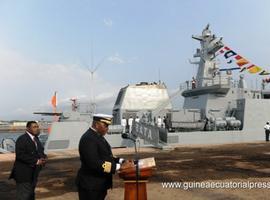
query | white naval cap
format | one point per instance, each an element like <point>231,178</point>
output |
<point>107,119</point>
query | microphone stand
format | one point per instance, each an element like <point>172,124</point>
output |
<point>136,162</point>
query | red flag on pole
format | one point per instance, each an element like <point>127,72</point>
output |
<point>54,100</point>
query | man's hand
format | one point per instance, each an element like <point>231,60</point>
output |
<point>41,161</point>
<point>127,164</point>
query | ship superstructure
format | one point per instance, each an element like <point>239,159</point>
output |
<point>223,102</point>
<point>139,99</point>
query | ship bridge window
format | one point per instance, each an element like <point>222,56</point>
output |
<point>220,95</point>
<point>266,96</point>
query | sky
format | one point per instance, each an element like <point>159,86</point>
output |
<point>52,45</point>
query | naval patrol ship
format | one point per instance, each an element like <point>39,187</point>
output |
<point>218,108</point>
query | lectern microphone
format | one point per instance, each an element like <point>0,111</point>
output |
<point>126,136</point>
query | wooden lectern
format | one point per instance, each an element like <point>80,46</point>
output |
<point>129,177</point>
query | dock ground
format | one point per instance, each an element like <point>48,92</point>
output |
<point>237,166</point>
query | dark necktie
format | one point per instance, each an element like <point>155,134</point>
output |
<point>35,140</point>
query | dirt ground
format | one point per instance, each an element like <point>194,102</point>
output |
<point>228,164</point>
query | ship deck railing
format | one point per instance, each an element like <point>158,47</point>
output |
<point>218,80</point>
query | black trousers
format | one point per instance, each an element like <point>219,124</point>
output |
<point>267,132</point>
<point>25,191</point>
<point>85,194</point>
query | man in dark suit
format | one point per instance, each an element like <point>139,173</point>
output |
<point>94,177</point>
<point>29,160</point>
